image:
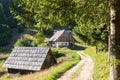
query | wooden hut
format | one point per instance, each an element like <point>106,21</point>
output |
<point>61,38</point>
<point>29,59</point>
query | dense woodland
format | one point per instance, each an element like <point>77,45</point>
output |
<point>88,20</point>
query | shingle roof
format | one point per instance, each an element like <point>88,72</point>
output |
<point>26,58</point>
<point>58,34</point>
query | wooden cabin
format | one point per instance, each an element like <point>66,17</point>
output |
<point>61,38</point>
<point>29,59</point>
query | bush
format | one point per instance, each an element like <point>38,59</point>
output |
<point>24,42</point>
<point>34,43</point>
<point>48,31</point>
<point>39,38</point>
<point>57,54</point>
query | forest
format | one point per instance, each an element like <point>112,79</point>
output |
<point>94,24</point>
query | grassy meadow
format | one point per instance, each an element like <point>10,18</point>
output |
<point>3,71</point>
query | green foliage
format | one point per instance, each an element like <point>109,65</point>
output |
<point>71,25</point>
<point>39,38</point>
<point>3,28</point>
<point>57,54</point>
<point>20,27</point>
<point>5,35</point>
<point>25,42</point>
<point>93,23</point>
<point>90,17</point>
<point>114,62</point>
<point>47,13</point>
<point>93,34</point>
<point>66,52</point>
<point>48,31</point>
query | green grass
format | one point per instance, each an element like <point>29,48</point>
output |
<point>63,54</point>
<point>60,70</point>
<point>101,66</point>
<point>3,71</point>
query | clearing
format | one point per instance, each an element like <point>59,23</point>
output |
<point>81,71</point>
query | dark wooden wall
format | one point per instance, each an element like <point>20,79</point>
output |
<point>49,61</point>
<point>14,71</point>
<point>66,38</point>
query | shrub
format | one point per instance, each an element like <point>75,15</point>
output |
<point>23,42</point>
<point>33,44</point>
<point>48,31</point>
<point>57,54</point>
<point>39,38</point>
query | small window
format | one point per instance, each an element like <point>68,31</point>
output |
<point>65,44</point>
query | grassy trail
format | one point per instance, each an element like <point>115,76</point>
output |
<point>101,66</point>
<point>80,71</point>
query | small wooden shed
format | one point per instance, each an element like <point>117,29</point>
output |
<point>61,38</point>
<point>29,59</point>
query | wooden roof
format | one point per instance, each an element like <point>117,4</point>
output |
<point>26,58</point>
<point>58,34</point>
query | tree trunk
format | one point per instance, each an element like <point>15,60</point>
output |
<point>114,40</point>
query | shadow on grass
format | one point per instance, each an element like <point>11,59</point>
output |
<point>3,58</point>
<point>59,55</point>
<point>30,31</point>
<point>77,47</point>
<point>2,73</point>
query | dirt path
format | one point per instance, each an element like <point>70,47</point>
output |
<point>82,71</point>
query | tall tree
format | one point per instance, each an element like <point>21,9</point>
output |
<point>114,40</point>
<point>93,24</point>
<point>42,12</point>
<point>91,18</point>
